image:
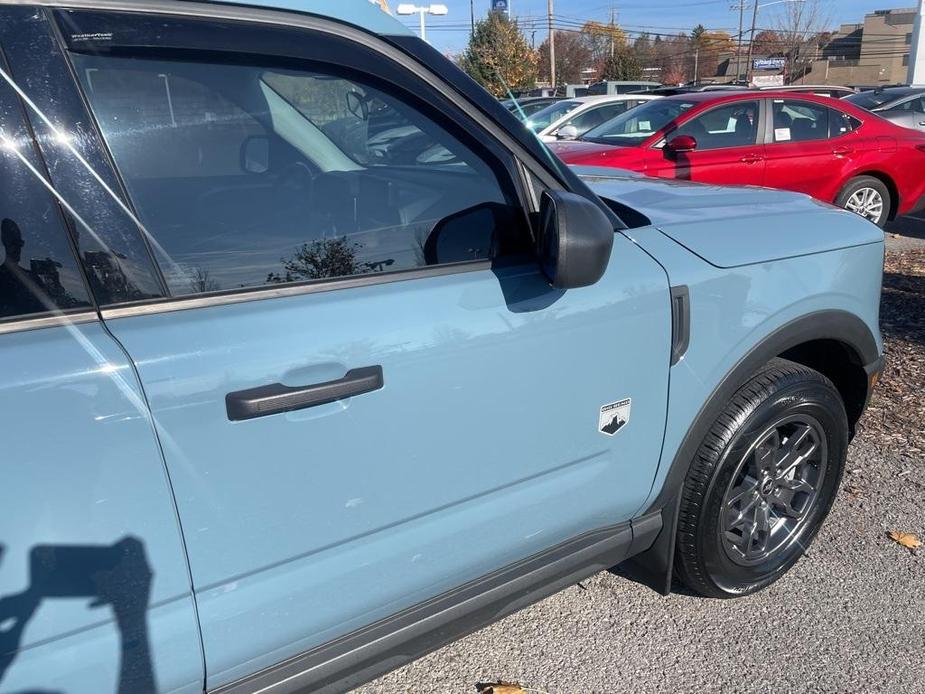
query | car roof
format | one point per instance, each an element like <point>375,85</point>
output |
<point>361,13</point>
<point>608,97</point>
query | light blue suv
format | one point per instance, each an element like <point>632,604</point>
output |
<point>315,360</point>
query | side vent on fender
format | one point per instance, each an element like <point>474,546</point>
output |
<point>680,322</point>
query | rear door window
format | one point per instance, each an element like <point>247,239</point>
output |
<point>39,274</point>
<point>800,121</point>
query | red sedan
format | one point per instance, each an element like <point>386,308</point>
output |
<point>801,142</point>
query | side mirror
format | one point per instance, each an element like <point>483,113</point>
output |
<point>681,144</point>
<point>567,132</point>
<point>255,154</point>
<point>575,240</point>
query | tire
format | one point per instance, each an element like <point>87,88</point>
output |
<point>784,407</point>
<point>868,197</point>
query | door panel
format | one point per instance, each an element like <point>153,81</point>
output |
<point>95,593</point>
<point>801,155</point>
<point>728,150</point>
<point>481,449</point>
<point>483,445</point>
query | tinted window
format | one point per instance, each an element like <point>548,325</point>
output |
<point>842,124</point>
<point>877,97</point>
<point>800,121</point>
<point>552,112</point>
<point>732,125</point>
<point>916,105</point>
<point>38,272</point>
<point>633,126</point>
<point>595,116</point>
<point>250,175</point>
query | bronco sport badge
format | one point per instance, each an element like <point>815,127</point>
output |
<point>614,416</point>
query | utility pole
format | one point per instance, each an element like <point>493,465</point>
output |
<point>612,37</point>
<point>696,65</point>
<point>471,18</point>
<point>917,49</point>
<point>751,43</point>
<point>552,46</point>
<point>739,49</point>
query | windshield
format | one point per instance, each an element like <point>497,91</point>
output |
<point>543,118</point>
<point>873,99</point>
<point>635,125</point>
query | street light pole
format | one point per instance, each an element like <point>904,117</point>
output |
<point>751,44</point>
<point>739,49</point>
<point>751,41</point>
<point>407,9</point>
<point>552,46</point>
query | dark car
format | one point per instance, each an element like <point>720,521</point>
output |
<point>526,107</point>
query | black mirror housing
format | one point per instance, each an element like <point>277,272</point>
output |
<point>575,240</point>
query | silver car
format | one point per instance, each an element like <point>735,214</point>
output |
<point>904,106</point>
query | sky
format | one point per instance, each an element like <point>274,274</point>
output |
<point>450,34</point>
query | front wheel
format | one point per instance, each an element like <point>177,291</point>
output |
<point>868,197</point>
<point>762,482</point>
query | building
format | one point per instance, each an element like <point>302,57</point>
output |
<point>869,54</point>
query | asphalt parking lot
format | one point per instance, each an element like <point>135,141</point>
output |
<point>850,617</point>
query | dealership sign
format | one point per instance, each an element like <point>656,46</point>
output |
<point>770,64</point>
<point>768,80</point>
<point>499,6</point>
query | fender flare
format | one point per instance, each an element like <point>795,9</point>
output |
<point>654,566</point>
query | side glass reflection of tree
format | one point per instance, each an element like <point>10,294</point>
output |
<point>323,258</point>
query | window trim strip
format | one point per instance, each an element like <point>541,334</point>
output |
<point>238,296</point>
<point>18,325</point>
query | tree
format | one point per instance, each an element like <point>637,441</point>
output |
<point>603,41</point>
<point>323,258</point>
<point>799,26</point>
<point>623,65</point>
<point>713,47</point>
<point>767,43</point>
<point>498,56</point>
<point>572,56</point>
<point>644,50</point>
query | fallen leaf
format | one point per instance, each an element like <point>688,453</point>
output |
<point>500,688</point>
<point>907,540</point>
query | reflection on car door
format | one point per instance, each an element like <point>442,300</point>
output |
<point>94,585</point>
<point>472,439</point>
<point>728,148</point>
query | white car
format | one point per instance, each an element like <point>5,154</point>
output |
<point>571,118</point>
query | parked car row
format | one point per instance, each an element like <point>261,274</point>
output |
<point>830,149</point>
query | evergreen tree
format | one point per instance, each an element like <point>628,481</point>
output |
<point>498,56</point>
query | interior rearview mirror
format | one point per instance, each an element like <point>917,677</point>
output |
<point>681,144</point>
<point>357,105</point>
<point>567,132</point>
<point>255,154</point>
<point>575,240</point>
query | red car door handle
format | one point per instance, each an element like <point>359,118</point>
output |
<point>751,158</point>
<point>842,151</point>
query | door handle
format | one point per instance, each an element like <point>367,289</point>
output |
<point>751,158</point>
<point>842,151</point>
<point>922,123</point>
<point>276,398</point>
